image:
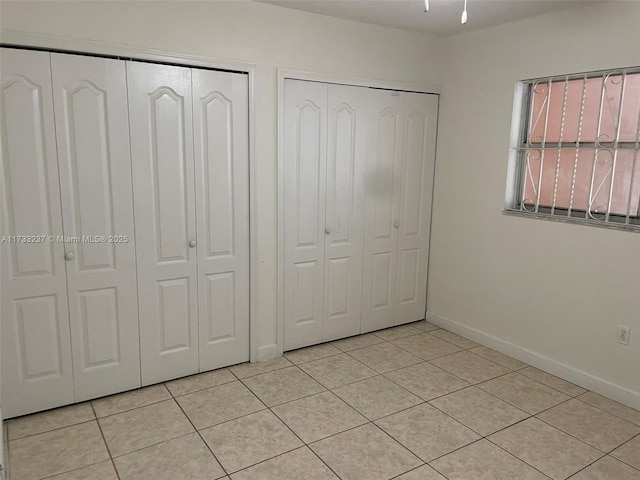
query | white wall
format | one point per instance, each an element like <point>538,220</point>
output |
<point>556,289</point>
<point>266,35</point>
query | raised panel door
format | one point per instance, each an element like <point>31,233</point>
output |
<point>421,112</point>
<point>347,119</point>
<point>220,112</point>
<point>382,208</point>
<point>304,175</point>
<point>92,126</point>
<point>36,349</point>
<point>160,112</point>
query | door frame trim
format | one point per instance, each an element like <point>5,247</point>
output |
<point>61,44</point>
<point>294,74</point>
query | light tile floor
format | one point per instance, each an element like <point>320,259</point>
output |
<point>413,402</point>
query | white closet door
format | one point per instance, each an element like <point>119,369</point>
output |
<point>421,112</point>
<point>92,126</point>
<point>162,155</point>
<point>304,172</point>
<point>221,132</point>
<point>382,209</point>
<point>36,349</point>
<point>346,168</point>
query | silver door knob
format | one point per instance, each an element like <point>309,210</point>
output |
<point>69,256</point>
<point>327,231</point>
<point>192,243</point>
<point>396,225</point>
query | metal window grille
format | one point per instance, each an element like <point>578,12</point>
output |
<point>579,148</point>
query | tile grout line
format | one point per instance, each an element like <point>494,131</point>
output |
<point>571,435</point>
<point>104,439</point>
<point>470,385</point>
<point>305,444</point>
<point>270,408</point>
<point>198,433</point>
<point>606,411</point>
<point>49,431</point>
<point>482,437</point>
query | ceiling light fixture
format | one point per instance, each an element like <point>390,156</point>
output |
<point>464,11</point>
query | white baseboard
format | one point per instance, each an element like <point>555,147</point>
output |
<point>267,352</point>
<point>566,372</point>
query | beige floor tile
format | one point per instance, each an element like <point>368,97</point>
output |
<point>248,440</point>
<point>337,370</point>
<point>482,460</point>
<point>184,457</point>
<point>193,383</point>
<point>499,358</point>
<point>479,411</point>
<point>451,337</point>
<point>614,408</point>
<point>219,404</point>
<point>524,393</point>
<point>246,370</point>
<point>394,333</point>
<point>425,326</point>
<point>49,420</point>
<point>359,341</point>
<point>143,427</point>
<point>295,465</point>
<point>608,468</point>
<point>426,380</point>
<point>629,452</point>
<point>318,416</point>
<point>424,472</point>
<point>58,451</point>
<point>552,381</point>
<point>309,354</point>
<point>377,397</point>
<point>365,452</point>
<point>470,367</point>
<point>284,385</point>
<point>427,432</point>
<point>426,346</point>
<point>591,425</point>
<point>99,471</point>
<point>546,448</point>
<point>130,400</point>
<point>384,357</point>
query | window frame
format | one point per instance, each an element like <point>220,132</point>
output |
<point>520,145</point>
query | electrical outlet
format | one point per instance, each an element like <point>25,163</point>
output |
<point>623,335</point>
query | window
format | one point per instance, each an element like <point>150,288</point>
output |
<point>577,155</point>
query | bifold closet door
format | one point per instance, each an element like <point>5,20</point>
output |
<point>36,348</point>
<point>160,113</point>
<point>382,209</point>
<point>92,124</point>
<point>220,112</point>
<point>304,176</point>
<point>344,215</point>
<point>420,125</point>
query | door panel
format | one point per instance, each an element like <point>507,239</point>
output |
<point>160,112</point>
<point>92,126</point>
<point>421,113</point>
<point>382,209</point>
<point>221,132</point>
<point>36,349</point>
<point>345,188</point>
<point>304,171</point>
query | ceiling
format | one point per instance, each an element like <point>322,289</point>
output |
<point>443,17</point>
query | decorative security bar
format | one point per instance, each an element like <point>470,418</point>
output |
<point>579,147</point>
